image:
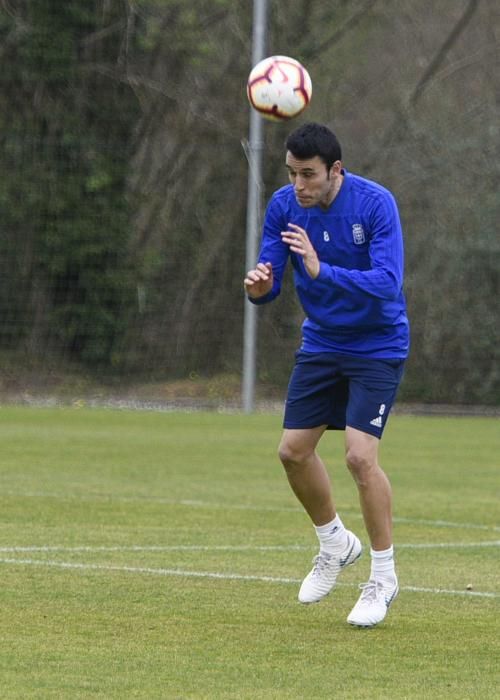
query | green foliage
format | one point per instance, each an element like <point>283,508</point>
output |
<point>66,198</point>
<point>124,190</point>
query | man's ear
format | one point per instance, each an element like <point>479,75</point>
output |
<point>335,169</point>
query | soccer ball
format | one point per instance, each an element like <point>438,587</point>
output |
<point>279,88</point>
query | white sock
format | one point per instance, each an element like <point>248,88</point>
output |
<point>331,536</point>
<point>383,564</point>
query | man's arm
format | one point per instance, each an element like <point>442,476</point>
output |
<point>385,278</point>
<point>263,283</point>
<point>259,281</point>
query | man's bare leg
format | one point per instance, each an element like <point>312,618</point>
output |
<point>374,489</point>
<point>306,472</point>
<point>310,482</point>
<point>376,503</point>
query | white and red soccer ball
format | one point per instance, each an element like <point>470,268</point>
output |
<point>279,88</point>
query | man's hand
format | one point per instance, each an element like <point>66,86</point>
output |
<point>259,281</point>
<point>299,243</point>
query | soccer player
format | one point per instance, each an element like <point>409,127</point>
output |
<point>342,235</point>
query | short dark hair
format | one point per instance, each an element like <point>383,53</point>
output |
<point>312,139</point>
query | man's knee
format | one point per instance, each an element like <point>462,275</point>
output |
<point>295,449</point>
<point>361,458</point>
<point>358,462</point>
<point>291,453</point>
<point>361,463</point>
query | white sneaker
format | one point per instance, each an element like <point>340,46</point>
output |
<point>373,603</point>
<point>321,579</point>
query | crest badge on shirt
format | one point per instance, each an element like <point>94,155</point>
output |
<point>358,234</point>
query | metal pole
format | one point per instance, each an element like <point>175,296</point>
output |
<point>254,212</point>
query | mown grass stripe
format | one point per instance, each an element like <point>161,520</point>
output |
<point>229,547</point>
<point>215,575</point>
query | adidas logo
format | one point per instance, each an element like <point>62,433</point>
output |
<point>377,422</point>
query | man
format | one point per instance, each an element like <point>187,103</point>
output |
<point>343,236</point>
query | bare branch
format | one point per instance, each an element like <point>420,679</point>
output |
<point>399,124</point>
<point>348,26</point>
<point>444,50</point>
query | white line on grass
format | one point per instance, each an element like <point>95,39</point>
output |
<point>228,547</point>
<point>449,591</point>
<point>160,548</point>
<point>446,523</point>
<point>195,503</point>
<point>447,545</point>
<point>215,575</point>
<point>147,570</point>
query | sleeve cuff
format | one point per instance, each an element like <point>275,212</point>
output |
<point>260,300</point>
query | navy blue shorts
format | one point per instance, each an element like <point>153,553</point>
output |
<point>338,390</point>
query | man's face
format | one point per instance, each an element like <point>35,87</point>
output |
<point>312,182</point>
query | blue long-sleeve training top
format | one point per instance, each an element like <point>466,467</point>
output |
<point>356,304</point>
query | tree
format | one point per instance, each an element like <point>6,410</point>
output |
<point>65,130</point>
<point>123,126</point>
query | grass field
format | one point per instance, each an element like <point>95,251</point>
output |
<point>158,555</point>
